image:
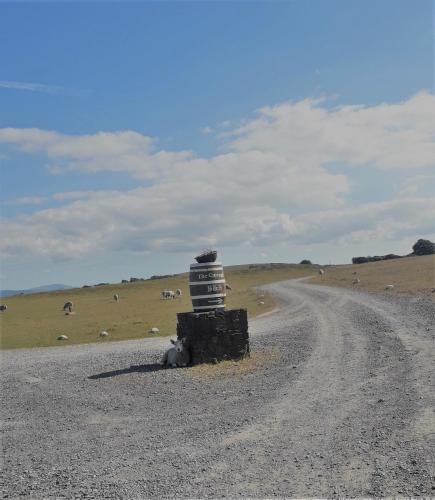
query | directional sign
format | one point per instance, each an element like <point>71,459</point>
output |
<point>215,301</point>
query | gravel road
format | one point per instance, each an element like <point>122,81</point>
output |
<point>347,408</point>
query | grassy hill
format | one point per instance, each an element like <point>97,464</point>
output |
<point>409,275</point>
<point>37,320</point>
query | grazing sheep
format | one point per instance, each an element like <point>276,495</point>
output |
<point>261,303</point>
<point>177,355</point>
<point>3,307</point>
<point>153,330</point>
<point>168,294</point>
<point>356,281</point>
<point>104,334</point>
<point>116,297</point>
<point>62,337</point>
<point>227,286</point>
<point>389,287</point>
<point>68,306</point>
<point>178,292</point>
<point>321,272</point>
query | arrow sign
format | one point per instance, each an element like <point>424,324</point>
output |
<point>215,301</point>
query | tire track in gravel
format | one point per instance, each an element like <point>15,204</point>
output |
<point>347,409</point>
<point>366,440</point>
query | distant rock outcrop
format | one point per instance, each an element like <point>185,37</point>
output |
<point>375,258</point>
<point>421,247</point>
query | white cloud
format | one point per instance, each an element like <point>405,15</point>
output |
<point>30,86</point>
<point>75,195</point>
<point>206,130</point>
<point>125,151</point>
<point>40,87</point>
<point>146,219</point>
<point>413,185</point>
<point>386,136</point>
<point>28,200</point>
<point>271,186</point>
<point>388,220</point>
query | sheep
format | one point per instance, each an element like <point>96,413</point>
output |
<point>3,307</point>
<point>389,287</point>
<point>62,337</point>
<point>104,334</point>
<point>177,355</point>
<point>153,330</point>
<point>261,303</point>
<point>356,281</point>
<point>68,306</point>
<point>178,292</point>
<point>227,286</point>
<point>116,297</point>
<point>168,294</point>
<point>321,272</point>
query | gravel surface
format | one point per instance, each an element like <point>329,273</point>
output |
<point>346,409</point>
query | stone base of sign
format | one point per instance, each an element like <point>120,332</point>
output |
<point>214,337</point>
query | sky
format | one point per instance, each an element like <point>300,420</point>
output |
<point>135,135</point>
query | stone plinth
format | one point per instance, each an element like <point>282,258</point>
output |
<point>214,337</point>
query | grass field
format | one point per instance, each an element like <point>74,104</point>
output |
<point>409,275</point>
<point>37,320</point>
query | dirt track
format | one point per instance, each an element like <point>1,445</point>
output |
<point>346,409</point>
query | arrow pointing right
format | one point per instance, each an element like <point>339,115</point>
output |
<point>215,301</point>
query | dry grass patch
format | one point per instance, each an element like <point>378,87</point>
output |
<point>256,361</point>
<point>409,275</point>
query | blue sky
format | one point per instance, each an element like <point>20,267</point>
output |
<point>176,87</point>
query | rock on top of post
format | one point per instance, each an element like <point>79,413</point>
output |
<point>206,256</point>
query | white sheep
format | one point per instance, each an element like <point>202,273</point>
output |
<point>168,294</point>
<point>153,330</point>
<point>177,355</point>
<point>178,292</point>
<point>116,297</point>
<point>104,334</point>
<point>62,337</point>
<point>389,287</point>
<point>321,272</point>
